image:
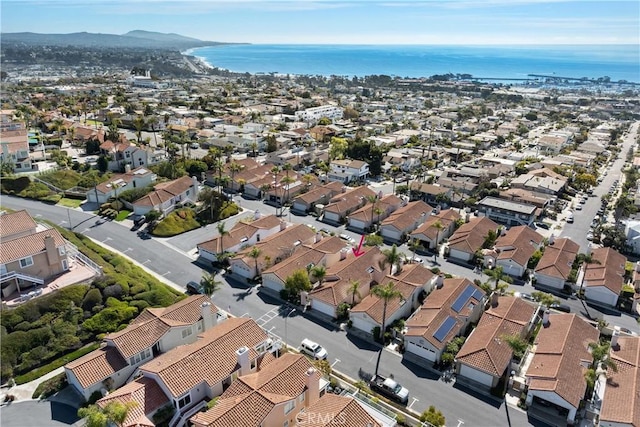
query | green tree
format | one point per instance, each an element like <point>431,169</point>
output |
<point>498,274</point>
<point>139,124</point>
<point>386,293</point>
<point>297,282</point>
<point>113,413</point>
<point>433,416</point>
<point>517,344</point>
<point>392,257</point>
<point>354,286</point>
<point>319,272</point>
<point>222,231</point>
<point>209,284</point>
<point>255,254</point>
<point>373,240</point>
<point>337,148</point>
<point>438,226</point>
<point>544,298</point>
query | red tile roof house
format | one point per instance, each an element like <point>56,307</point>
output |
<point>485,357</point>
<point>365,269</point>
<point>204,369</point>
<point>343,204</point>
<point>555,265</point>
<point>405,220</point>
<point>272,395</point>
<point>323,251</point>
<point>427,233</point>
<point>372,213</point>
<point>413,280</point>
<point>445,314</point>
<point>154,331</point>
<point>27,254</point>
<point>273,250</point>
<point>332,410</point>
<point>128,154</point>
<point>243,234</point>
<point>306,202</point>
<point>147,396</point>
<point>469,238</point>
<point>166,195</point>
<point>513,249</point>
<point>621,401</point>
<point>604,277</point>
<point>555,375</point>
<point>136,178</point>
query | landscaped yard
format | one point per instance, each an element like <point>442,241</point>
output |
<point>176,222</point>
<point>123,214</point>
<point>63,179</point>
<point>70,203</point>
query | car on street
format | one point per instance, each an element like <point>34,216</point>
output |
<point>589,236</point>
<point>389,388</point>
<point>347,238</point>
<point>561,307</point>
<point>415,259</point>
<point>313,349</point>
<point>579,207</point>
<point>325,231</point>
<point>194,288</point>
<point>544,225</point>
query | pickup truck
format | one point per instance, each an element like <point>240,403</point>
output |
<point>390,389</point>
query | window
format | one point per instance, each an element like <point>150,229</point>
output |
<point>184,401</point>
<point>289,406</point>
<point>26,262</point>
<point>301,399</point>
<point>62,250</point>
<point>186,332</point>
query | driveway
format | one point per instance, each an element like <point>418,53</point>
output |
<point>39,413</point>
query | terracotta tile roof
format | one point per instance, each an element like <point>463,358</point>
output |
<point>32,244</point>
<point>427,229</point>
<point>165,191</point>
<point>147,395</point>
<point>210,359</point>
<point>300,260</point>
<point>428,188</point>
<point>561,356</point>
<point>278,246</point>
<point>558,258</point>
<point>345,411</point>
<point>436,308</point>
<point>153,324</point>
<point>364,269</point>
<point>107,186</point>
<point>485,349</point>
<point>240,230</point>
<point>517,244</point>
<point>330,245</point>
<point>470,236</point>
<point>606,270</point>
<point>97,365</point>
<point>346,202</point>
<point>250,399</point>
<point>374,306</point>
<point>15,223</point>
<point>409,216</point>
<point>621,403</point>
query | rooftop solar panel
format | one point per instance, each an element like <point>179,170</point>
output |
<point>445,328</point>
<point>463,298</point>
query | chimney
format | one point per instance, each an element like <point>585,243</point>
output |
<point>257,215</point>
<point>343,254</point>
<point>243,360</point>
<point>614,340</point>
<point>440,281</point>
<point>283,225</point>
<point>127,168</point>
<point>209,318</point>
<point>494,299</point>
<point>52,252</point>
<point>344,189</point>
<point>318,237</point>
<point>552,239</point>
<point>313,387</point>
<point>545,318</point>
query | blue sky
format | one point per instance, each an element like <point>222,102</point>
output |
<point>464,22</point>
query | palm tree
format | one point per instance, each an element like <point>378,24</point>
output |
<point>286,182</point>
<point>138,124</point>
<point>275,171</point>
<point>209,284</point>
<point>386,293</point>
<point>414,245</point>
<point>392,257</point>
<point>354,286</point>
<point>222,231</point>
<point>255,254</point>
<point>373,199</point>
<point>319,272</point>
<point>234,167</point>
<point>601,359</point>
<point>498,274</point>
<point>438,226</point>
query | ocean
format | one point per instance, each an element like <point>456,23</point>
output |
<point>619,62</point>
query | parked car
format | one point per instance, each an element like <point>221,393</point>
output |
<point>347,238</point>
<point>579,207</point>
<point>415,259</point>
<point>544,225</point>
<point>561,307</point>
<point>313,349</point>
<point>389,388</point>
<point>194,288</point>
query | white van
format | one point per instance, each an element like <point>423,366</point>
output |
<point>570,218</point>
<point>313,349</point>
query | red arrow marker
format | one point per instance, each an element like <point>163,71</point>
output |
<point>357,252</point>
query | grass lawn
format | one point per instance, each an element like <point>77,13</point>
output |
<point>122,215</point>
<point>70,203</point>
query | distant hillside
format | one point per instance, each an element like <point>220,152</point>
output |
<point>133,39</point>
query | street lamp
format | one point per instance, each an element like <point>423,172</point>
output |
<point>285,325</point>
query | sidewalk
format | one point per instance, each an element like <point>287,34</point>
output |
<point>25,391</point>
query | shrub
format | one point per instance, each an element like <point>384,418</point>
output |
<point>91,299</point>
<point>50,386</point>
<point>176,222</point>
<point>63,179</point>
<point>433,416</point>
<point>135,193</point>
<point>110,319</point>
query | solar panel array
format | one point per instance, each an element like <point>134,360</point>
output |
<point>445,328</point>
<point>463,298</point>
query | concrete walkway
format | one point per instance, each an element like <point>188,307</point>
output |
<point>25,391</point>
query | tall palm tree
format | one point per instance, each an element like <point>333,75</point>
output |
<point>287,168</point>
<point>438,226</point>
<point>222,231</point>
<point>255,254</point>
<point>138,124</point>
<point>414,245</point>
<point>319,272</point>
<point>386,293</point>
<point>275,171</point>
<point>209,284</point>
<point>234,168</point>
<point>286,182</point>
<point>354,286</point>
<point>373,199</point>
<point>498,274</point>
<point>392,257</point>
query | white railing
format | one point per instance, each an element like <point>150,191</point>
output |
<point>73,252</point>
<point>15,275</point>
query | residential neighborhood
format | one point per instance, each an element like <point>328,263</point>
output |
<point>472,232</point>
